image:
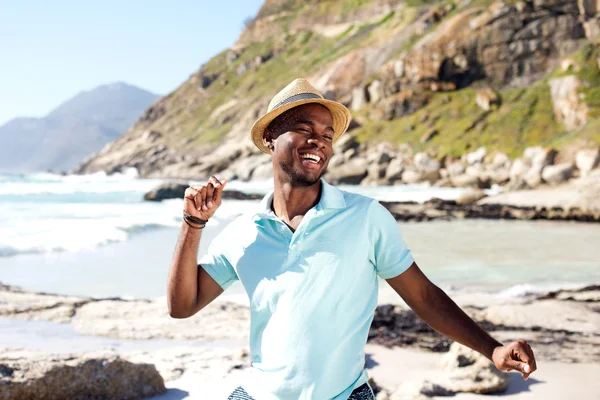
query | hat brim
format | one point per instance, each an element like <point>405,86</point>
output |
<point>340,116</point>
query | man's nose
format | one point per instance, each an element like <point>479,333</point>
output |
<point>317,140</point>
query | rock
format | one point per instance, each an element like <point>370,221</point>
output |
<point>500,160</point>
<point>486,97</point>
<point>533,177</point>
<point>470,195</point>
<point>412,176</point>
<point>262,172</point>
<point>399,68</point>
<point>91,376</point>
<point>568,106</point>
<point>586,160</point>
<point>499,176</point>
<point>466,180</point>
<point>350,173</point>
<point>476,157</point>
<point>543,158</point>
<point>592,28</point>
<point>429,135</point>
<point>567,64</point>
<point>168,190</point>
<point>345,143</point>
<point>151,136</point>
<point>555,174</point>
<point>455,169</point>
<point>475,170</point>
<point>394,170</point>
<point>530,152</point>
<point>519,168</point>
<point>466,370</point>
<point>425,163</point>
<point>359,98</point>
<point>375,91</point>
<point>588,8</point>
<point>375,173</point>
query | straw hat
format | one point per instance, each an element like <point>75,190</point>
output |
<point>299,92</point>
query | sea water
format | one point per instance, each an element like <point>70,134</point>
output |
<point>94,235</point>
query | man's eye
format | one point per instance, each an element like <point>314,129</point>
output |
<point>328,138</point>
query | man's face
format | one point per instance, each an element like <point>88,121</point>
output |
<point>302,143</point>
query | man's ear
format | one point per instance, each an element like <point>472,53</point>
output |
<point>268,139</point>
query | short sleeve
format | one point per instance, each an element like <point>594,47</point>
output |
<point>216,263</point>
<point>389,253</point>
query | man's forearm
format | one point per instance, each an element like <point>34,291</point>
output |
<point>182,290</point>
<point>441,313</point>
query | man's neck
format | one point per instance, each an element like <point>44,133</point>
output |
<point>292,202</point>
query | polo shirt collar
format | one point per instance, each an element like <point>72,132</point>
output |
<point>331,198</point>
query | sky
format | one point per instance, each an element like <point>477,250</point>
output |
<point>52,50</point>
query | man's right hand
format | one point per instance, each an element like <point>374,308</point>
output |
<point>202,201</point>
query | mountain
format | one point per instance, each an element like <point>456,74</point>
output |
<point>77,128</point>
<point>429,82</point>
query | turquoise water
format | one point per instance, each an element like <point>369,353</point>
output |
<point>94,235</point>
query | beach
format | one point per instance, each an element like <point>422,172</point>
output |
<point>535,280</point>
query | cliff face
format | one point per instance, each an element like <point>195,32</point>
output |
<point>434,77</point>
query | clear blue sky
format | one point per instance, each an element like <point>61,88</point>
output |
<point>51,50</point>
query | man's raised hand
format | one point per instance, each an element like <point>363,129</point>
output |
<point>202,201</point>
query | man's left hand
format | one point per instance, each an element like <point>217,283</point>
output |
<point>516,356</point>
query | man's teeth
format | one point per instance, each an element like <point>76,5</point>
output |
<point>312,157</point>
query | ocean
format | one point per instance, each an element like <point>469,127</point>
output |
<point>94,235</point>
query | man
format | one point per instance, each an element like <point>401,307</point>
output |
<point>309,262</point>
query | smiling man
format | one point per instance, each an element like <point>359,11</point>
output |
<point>309,260</point>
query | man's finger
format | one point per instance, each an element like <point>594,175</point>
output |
<point>522,367</point>
<point>198,199</point>
<point>219,192</point>
<point>209,194</point>
<point>203,199</point>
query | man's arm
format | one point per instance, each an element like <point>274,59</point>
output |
<point>190,288</point>
<point>434,306</point>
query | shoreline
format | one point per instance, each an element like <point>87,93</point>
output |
<point>207,355</point>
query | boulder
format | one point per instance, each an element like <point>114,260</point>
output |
<point>476,157</point>
<point>500,160</point>
<point>359,98</point>
<point>262,172</point>
<point>543,158</point>
<point>486,97</point>
<point>519,168</point>
<point>556,174</point>
<point>345,143</point>
<point>412,176</point>
<point>466,180</point>
<point>350,173</point>
<point>586,160</point>
<point>424,163</point>
<point>394,170</point>
<point>455,169</point>
<point>33,376</point>
<point>167,190</point>
<point>588,8</point>
<point>533,177</point>
<point>592,28</point>
<point>375,91</point>
<point>470,195</point>
<point>569,108</point>
<point>465,370</point>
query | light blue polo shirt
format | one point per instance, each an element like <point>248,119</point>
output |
<point>312,292</point>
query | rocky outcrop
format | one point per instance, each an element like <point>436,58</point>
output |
<point>30,375</point>
<point>569,108</point>
<point>176,190</point>
<point>202,128</point>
